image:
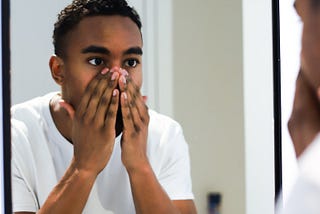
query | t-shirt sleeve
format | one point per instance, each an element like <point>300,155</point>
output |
<point>175,175</point>
<point>22,197</point>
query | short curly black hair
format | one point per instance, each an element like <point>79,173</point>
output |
<point>315,3</point>
<point>70,16</point>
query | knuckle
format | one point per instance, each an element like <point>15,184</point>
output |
<point>111,114</point>
<point>90,87</point>
<point>110,84</point>
<point>132,103</point>
<point>95,92</point>
<point>114,101</point>
<point>133,134</point>
<point>104,101</point>
<point>137,128</point>
<point>85,120</point>
<point>128,116</point>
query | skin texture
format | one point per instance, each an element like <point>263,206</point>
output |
<point>304,123</point>
<point>102,73</point>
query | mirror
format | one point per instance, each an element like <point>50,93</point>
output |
<point>194,72</point>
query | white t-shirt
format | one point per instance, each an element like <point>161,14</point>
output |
<point>305,194</point>
<point>41,155</point>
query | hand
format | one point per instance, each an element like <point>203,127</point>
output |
<point>304,123</point>
<point>135,124</point>
<point>93,123</point>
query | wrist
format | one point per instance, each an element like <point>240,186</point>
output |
<point>140,169</point>
<point>83,173</point>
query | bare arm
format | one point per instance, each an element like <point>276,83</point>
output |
<point>148,195</point>
<point>73,188</point>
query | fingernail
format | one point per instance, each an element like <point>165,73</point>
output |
<point>114,69</point>
<point>125,96</point>
<point>114,92</point>
<point>104,71</point>
<point>124,72</point>
<point>114,76</point>
<point>123,79</point>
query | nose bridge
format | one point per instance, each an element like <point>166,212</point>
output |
<point>115,61</point>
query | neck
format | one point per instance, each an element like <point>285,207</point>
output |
<point>61,118</point>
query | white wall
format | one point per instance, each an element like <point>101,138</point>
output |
<point>31,47</point>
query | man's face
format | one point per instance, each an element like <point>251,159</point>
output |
<point>310,52</point>
<point>98,42</point>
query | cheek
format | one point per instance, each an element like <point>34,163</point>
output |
<point>137,78</point>
<point>310,55</point>
<point>75,87</point>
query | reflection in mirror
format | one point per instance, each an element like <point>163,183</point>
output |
<point>193,71</point>
<point>290,63</point>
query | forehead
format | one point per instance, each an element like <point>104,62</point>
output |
<point>111,31</point>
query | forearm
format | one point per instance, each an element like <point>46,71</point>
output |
<point>71,193</point>
<point>148,195</point>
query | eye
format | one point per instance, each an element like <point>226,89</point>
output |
<point>132,63</point>
<point>96,61</point>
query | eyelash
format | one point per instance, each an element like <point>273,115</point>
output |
<point>91,62</point>
<point>137,62</point>
<point>96,58</point>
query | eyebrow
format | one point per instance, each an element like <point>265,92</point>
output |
<point>134,50</point>
<point>106,51</point>
<point>96,49</point>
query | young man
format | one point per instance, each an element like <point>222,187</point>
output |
<point>304,124</point>
<point>95,147</point>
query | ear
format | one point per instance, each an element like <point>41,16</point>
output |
<point>57,69</point>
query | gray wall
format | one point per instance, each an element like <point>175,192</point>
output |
<point>31,47</point>
<point>208,97</point>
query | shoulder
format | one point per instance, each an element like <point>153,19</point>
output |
<point>31,110</point>
<point>165,133</point>
<point>29,122</point>
<point>162,123</point>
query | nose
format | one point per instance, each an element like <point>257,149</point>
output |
<point>121,71</point>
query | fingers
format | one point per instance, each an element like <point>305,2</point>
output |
<point>126,113</point>
<point>100,100</point>
<point>87,94</point>
<point>145,99</point>
<point>134,110</point>
<point>136,100</point>
<point>97,96</point>
<point>111,116</point>
<point>107,100</point>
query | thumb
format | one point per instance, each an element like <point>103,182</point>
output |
<point>145,99</point>
<point>68,108</point>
